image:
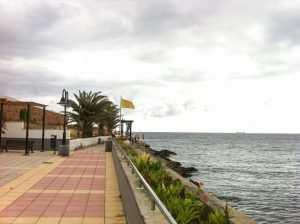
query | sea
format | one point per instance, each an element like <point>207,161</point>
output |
<point>258,174</point>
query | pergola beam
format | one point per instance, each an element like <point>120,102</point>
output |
<point>28,105</point>
<point>43,129</point>
<point>20,103</point>
<point>27,130</point>
<point>1,124</point>
<point>128,128</point>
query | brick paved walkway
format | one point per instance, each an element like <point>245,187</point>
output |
<point>14,164</point>
<point>80,189</point>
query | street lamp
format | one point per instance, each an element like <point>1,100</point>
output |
<point>64,101</point>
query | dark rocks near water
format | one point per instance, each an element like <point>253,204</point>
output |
<point>174,165</point>
<point>229,198</point>
<point>183,171</point>
<point>197,183</point>
<point>165,154</point>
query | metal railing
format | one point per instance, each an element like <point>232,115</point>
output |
<point>155,201</point>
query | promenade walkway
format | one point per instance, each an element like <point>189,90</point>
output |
<point>14,164</point>
<point>80,189</point>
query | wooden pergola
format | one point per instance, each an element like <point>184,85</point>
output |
<point>128,124</point>
<point>28,105</point>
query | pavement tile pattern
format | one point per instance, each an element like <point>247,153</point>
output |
<point>80,189</point>
<point>14,164</point>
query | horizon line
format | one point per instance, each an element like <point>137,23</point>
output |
<point>241,133</point>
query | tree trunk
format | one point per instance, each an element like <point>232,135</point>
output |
<point>100,129</point>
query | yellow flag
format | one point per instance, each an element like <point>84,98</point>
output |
<point>126,104</point>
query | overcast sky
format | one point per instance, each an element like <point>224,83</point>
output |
<point>201,66</point>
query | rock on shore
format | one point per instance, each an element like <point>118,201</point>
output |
<point>211,199</point>
<point>165,154</point>
<point>174,165</point>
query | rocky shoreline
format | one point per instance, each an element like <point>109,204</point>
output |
<point>174,165</point>
<point>185,173</point>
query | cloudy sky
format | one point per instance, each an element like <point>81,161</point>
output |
<point>202,66</point>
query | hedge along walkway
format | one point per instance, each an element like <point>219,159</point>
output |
<point>80,189</point>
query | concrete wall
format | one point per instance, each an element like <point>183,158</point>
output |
<point>85,142</point>
<point>37,143</point>
<point>16,130</point>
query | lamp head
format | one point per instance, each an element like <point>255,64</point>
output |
<point>68,103</point>
<point>62,100</point>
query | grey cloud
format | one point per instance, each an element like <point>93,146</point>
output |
<point>283,26</point>
<point>39,81</point>
<point>165,110</point>
<point>29,83</point>
<point>156,17</point>
<point>152,55</point>
<point>257,76</point>
<point>183,76</point>
<point>168,109</point>
<point>26,28</point>
<point>189,105</point>
<point>44,15</point>
<point>36,28</point>
<point>39,28</point>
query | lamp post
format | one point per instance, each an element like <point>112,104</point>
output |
<point>64,101</point>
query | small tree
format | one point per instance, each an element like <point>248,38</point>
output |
<point>23,115</point>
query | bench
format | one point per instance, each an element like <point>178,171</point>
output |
<point>19,145</point>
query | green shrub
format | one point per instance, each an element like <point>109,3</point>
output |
<point>184,206</point>
<point>216,217</point>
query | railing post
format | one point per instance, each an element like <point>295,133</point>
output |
<point>152,205</point>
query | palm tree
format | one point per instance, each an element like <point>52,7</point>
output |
<point>90,109</point>
<point>85,110</point>
<point>113,119</point>
<point>109,118</point>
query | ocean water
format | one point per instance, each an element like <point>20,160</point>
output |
<point>257,173</point>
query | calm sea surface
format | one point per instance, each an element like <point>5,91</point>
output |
<point>257,173</point>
